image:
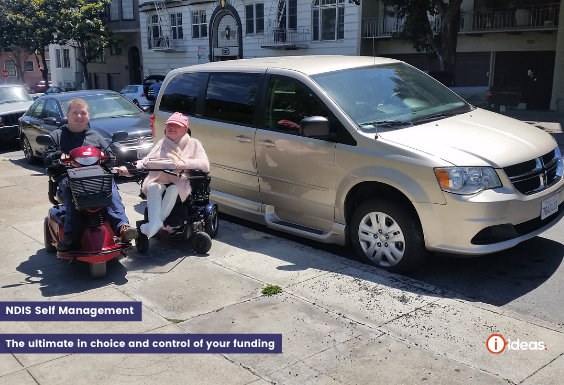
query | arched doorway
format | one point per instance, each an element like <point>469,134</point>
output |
<point>134,63</point>
<point>226,40</point>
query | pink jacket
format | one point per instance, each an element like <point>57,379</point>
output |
<point>189,150</point>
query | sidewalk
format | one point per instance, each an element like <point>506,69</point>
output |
<point>342,322</point>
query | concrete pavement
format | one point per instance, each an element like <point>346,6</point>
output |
<point>342,322</point>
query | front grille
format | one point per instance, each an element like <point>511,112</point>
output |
<point>134,143</point>
<point>536,174</point>
<point>11,119</point>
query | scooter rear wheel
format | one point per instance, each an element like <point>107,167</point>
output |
<point>98,270</point>
<point>47,239</point>
<point>201,242</point>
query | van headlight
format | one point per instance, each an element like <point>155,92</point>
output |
<point>467,180</point>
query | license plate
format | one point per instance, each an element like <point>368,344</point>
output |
<point>549,206</point>
<point>142,153</point>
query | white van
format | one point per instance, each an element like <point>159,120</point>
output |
<point>367,151</point>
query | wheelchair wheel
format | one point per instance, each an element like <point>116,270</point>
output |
<point>142,243</point>
<point>201,242</point>
<point>212,222</point>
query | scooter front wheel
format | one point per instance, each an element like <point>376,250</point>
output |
<point>98,270</point>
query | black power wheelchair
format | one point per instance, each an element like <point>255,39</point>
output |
<point>195,219</point>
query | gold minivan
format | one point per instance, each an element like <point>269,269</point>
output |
<point>367,151</point>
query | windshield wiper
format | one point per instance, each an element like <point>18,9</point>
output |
<point>121,116</point>
<point>387,123</point>
<point>12,101</point>
<point>436,117</point>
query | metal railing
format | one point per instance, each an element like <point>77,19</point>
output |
<point>284,37</point>
<point>531,18</point>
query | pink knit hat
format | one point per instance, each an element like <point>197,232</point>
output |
<point>178,118</point>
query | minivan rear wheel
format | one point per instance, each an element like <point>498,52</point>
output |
<point>388,235</point>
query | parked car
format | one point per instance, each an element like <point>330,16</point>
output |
<point>147,82</point>
<point>14,101</point>
<point>58,90</point>
<point>366,150</point>
<point>109,112</point>
<point>134,92</point>
<point>41,86</point>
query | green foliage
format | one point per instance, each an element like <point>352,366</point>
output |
<point>271,290</point>
<point>437,40</point>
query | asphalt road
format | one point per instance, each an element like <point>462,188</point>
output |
<point>528,279</point>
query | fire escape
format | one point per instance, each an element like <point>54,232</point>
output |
<point>160,35</point>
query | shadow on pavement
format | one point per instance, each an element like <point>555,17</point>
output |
<point>61,278</point>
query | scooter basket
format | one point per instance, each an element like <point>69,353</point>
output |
<point>91,187</point>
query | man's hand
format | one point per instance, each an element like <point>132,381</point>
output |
<point>122,171</point>
<point>65,156</point>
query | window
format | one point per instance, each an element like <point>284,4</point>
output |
<point>154,32</point>
<point>199,28</point>
<point>288,103</point>
<point>127,9</point>
<point>176,25</point>
<point>58,58</point>
<point>254,18</point>
<point>287,14</point>
<point>328,20</point>
<point>10,66</point>
<point>181,93</point>
<point>50,110</point>
<point>29,66</point>
<point>66,57</point>
<point>114,10</point>
<point>231,98</point>
<point>37,109</point>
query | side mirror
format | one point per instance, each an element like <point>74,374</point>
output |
<point>119,136</point>
<point>45,140</point>
<point>316,127</point>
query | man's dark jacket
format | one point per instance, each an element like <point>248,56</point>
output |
<point>66,140</point>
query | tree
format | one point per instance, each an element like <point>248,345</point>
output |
<point>417,30</point>
<point>34,23</point>
<point>81,25</point>
<point>11,38</point>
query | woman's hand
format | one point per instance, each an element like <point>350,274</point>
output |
<point>180,165</point>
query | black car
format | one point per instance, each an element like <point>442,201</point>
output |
<point>109,112</point>
<point>58,90</point>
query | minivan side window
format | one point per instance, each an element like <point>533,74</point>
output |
<point>232,97</point>
<point>181,93</point>
<point>288,102</point>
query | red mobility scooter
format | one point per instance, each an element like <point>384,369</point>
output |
<point>90,180</point>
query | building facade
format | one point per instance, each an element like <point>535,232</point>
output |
<point>118,67</point>
<point>500,43</point>
<point>31,70</point>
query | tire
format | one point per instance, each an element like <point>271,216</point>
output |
<point>27,150</point>
<point>142,243</point>
<point>98,270</point>
<point>212,223</point>
<point>47,239</point>
<point>201,242</point>
<point>371,240</point>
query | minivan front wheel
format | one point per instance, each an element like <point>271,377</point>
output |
<point>388,235</point>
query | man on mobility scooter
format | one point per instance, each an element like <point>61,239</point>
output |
<point>77,133</point>
<point>174,166</point>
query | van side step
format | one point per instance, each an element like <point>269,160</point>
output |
<point>296,227</point>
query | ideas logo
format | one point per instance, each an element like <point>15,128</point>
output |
<point>497,344</point>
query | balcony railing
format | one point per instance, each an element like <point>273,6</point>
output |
<point>532,18</point>
<point>284,38</point>
<point>164,43</point>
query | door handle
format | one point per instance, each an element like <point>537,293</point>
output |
<point>267,143</point>
<point>244,139</point>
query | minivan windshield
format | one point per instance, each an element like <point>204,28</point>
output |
<point>13,95</point>
<point>390,96</point>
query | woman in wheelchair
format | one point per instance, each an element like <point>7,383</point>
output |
<point>178,151</point>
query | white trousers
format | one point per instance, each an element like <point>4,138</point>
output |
<point>158,207</point>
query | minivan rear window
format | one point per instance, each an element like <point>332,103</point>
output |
<point>181,93</point>
<point>232,97</point>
